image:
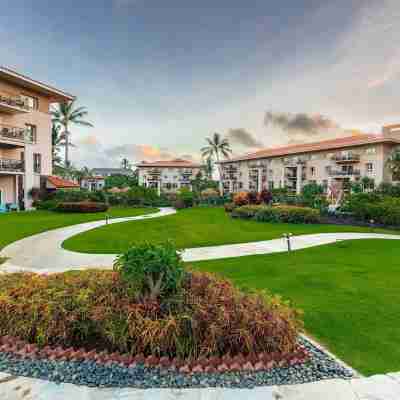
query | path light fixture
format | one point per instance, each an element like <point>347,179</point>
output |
<point>107,218</point>
<point>287,236</point>
<point>371,223</point>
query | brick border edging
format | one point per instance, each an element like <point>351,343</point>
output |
<point>249,363</point>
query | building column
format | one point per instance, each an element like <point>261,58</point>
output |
<point>159,188</point>
<point>17,191</point>
<point>259,189</point>
<point>299,179</point>
<point>283,177</point>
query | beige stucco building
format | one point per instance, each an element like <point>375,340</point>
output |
<point>167,176</point>
<point>337,160</point>
<point>25,135</point>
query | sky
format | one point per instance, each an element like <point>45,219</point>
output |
<point>158,77</point>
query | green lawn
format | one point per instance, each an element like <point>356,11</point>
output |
<point>349,291</point>
<point>193,227</point>
<point>15,226</point>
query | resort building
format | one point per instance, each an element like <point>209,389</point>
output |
<point>25,135</point>
<point>104,172</point>
<point>340,160</point>
<point>93,183</point>
<point>168,176</point>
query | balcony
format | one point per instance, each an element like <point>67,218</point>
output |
<point>12,134</point>
<point>346,158</point>
<point>13,104</point>
<point>344,174</point>
<point>7,165</point>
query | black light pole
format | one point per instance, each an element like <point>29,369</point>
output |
<point>287,236</point>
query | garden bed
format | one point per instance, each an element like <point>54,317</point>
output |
<point>111,370</point>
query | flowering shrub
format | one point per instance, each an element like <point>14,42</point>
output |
<point>265,197</point>
<point>96,310</point>
<point>241,199</point>
<point>81,207</point>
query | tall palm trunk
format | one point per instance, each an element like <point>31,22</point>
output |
<point>221,189</point>
<point>66,133</point>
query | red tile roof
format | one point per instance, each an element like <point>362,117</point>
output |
<point>177,163</point>
<point>60,183</point>
<point>349,141</point>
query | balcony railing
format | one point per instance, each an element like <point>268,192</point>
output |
<point>344,158</point>
<point>13,104</point>
<point>11,165</point>
<point>342,173</point>
<point>13,133</point>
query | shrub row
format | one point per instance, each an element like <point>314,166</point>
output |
<point>81,207</point>
<point>249,198</point>
<point>96,309</point>
<point>372,206</point>
<point>288,214</point>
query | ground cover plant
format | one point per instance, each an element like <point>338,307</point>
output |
<point>194,227</point>
<point>15,226</point>
<point>348,292</point>
<point>148,305</point>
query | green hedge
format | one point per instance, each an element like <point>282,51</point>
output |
<point>371,206</point>
<point>288,214</point>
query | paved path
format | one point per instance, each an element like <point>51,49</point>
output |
<point>43,252</point>
<point>378,387</point>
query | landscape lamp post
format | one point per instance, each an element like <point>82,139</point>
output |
<point>287,236</point>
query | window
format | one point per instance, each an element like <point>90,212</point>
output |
<point>312,171</point>
<point>31,102</point>
<point>270,185</point>
<point>37,163</point>
<point>328,169</point>
<point>240,185</point>
<point>370,150</point>
<point>369,168</point>
<point>31,134</point>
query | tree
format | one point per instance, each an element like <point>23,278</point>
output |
<point>393,163</point>
<point>66,115</point>
<point>209,167</point>
<point>120,181</point>
<point>125,164</point>
<point>217,147</point>
<point>57,140</point>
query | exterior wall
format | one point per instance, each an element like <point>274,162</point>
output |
<point>319,167</point>
<point>8,189</point>
<point>169,179</point>
<point>42,120</point>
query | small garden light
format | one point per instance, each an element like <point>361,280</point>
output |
<point>287,236</point>
<point>107,218</point>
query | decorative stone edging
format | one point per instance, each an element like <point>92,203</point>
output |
<point>253,362</point>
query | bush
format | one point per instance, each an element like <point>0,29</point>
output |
<point>186,196</point>
<point>49,205</point>
<point>152,270</point>
<point>287,214</point>
<point>96,310</point>
<point>81,207</point>
<point>253,198</point>
<point>310,193</point>
<point>265,197</point>
<point>241,199</point>
<point>209,194</point>
<point>71,196</point>
<point>372,206</point>
<point>229,207</point>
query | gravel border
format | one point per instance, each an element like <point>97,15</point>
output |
<point>319,367</point>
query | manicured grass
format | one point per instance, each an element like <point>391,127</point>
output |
<point>193,227</point>
<point>15,226</point>
<point>349,292</point>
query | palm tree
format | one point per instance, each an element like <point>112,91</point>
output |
<point>65,115</point>
<point>393,163</point>
<point>217,147</point>
<point>57,140</point>
<point>209,168</point>
<point>125,163</point>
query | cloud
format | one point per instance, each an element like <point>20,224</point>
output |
<point>299,123</point>
<point>243,137</point>
<point>89,151</point>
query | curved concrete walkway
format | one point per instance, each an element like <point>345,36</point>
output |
<point>44,253</point>
<point>378,387</point>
